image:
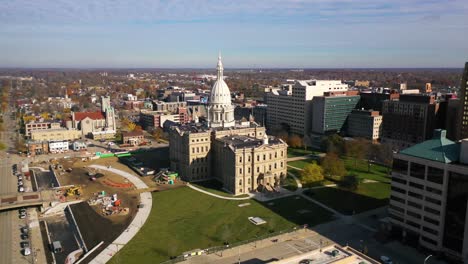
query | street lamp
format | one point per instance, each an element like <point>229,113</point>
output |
<point>428,257</point>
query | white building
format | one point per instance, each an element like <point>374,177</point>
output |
<point>58,146</point>
<point>291,108</point>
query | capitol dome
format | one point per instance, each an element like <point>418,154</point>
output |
<point>220,109</point>
<point>220,93</point>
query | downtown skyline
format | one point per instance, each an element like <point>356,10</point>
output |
<point>260,34</point>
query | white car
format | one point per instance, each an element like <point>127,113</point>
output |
<point>20,183</point>
<point>20,189</point>
<point>26,251</point>
<point>20,178</point>
<point>386,260</point>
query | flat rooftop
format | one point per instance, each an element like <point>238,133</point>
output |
<point>239,141</point>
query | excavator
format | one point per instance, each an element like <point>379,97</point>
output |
<point>73,191</point>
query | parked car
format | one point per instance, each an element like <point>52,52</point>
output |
<point>24,229</point>
<point>20,183</point>
<point>24,236</point>
<point>22,215</point>
<point>26,251</point>
<point>20,177</point>
<point>20,189</point>
<point>22,211</point>
<point>24,244</point>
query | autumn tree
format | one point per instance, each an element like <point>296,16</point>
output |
<point>333,166</point>
<point>157,134</point>
<point>131,126</point>
<point>312,173</point>
<point>295,141</point>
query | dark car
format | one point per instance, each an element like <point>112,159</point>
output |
<point>24,236</point>
<point>24,244</point>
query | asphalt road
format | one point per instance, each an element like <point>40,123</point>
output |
<point>8,184</point>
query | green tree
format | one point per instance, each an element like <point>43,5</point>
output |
<point>333,143</point>
<point>356,149</point>
<point>312,173</point>
<point>350,182</point>
<point>333,166</point>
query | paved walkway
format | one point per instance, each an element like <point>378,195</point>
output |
<point>296,168</point>
<point>137,222</point>
<point>218,196</point>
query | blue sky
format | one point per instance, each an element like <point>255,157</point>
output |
<point>257,33</point>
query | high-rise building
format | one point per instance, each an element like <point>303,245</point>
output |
<point>290,109</point>
<point>329,113</point>
<point>365,124</point>
<point>464,104</point>
<point>429,195</point>
<point>409,120</point>
<point>374,101</point>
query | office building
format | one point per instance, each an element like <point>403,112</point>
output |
<point>374,101</point>
<point>409,120</point>
<point>154,119</point>
<point>429,195</point>
<point>365,124</point>
<point>330,112</point>
<point>464,104</point>
<point>31,126</point>
<point>55,134</point>
<point>290,108</point>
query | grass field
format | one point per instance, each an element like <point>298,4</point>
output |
<point>215,187</point>
<point>360,168</point>
<point>300,163</point>
<point>367,197</point>
<point>297,152</point>
<point>184,219</point>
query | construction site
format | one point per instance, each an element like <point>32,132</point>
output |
<point>101,207</point>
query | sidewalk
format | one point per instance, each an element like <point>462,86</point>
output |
<point>137,222</point>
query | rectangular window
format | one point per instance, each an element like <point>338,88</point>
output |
<point>417,170</point>
<point>431,210</point>
<point>434,201</point>
<point>416,185</point>
<point>396,208</point>
<point>413,214</point>
<point>415,205</point>
<point>396,189</point>
<point>396,217</point>
<point>398,199</point>
<point>433,190</point>
<point>428,240</point>
<point>400,166</point>
<point>401,181</point>
<point>415,195</point>
<point>430,220</point>
<point>435,175</point>
<point>430,230</point>
<point>413,224</point>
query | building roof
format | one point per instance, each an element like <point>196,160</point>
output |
<point>93,115</point>
<point>240,141</point>
<point>439,149</point>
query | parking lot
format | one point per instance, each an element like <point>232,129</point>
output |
<point>43,180</point>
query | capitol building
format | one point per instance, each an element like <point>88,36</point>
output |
<point>237,153</point>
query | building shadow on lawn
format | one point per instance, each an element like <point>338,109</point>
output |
<point>349,202</point>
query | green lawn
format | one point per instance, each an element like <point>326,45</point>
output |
<point>300,163</point>
<point>299,210</point>
<point>297,173</point>
<point>184,219</point>
<point>367,197</point>
<point>360,168</point>
<point>297,152</point>
<point>215,187</point>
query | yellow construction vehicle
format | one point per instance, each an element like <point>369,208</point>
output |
<point>73,191</point>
